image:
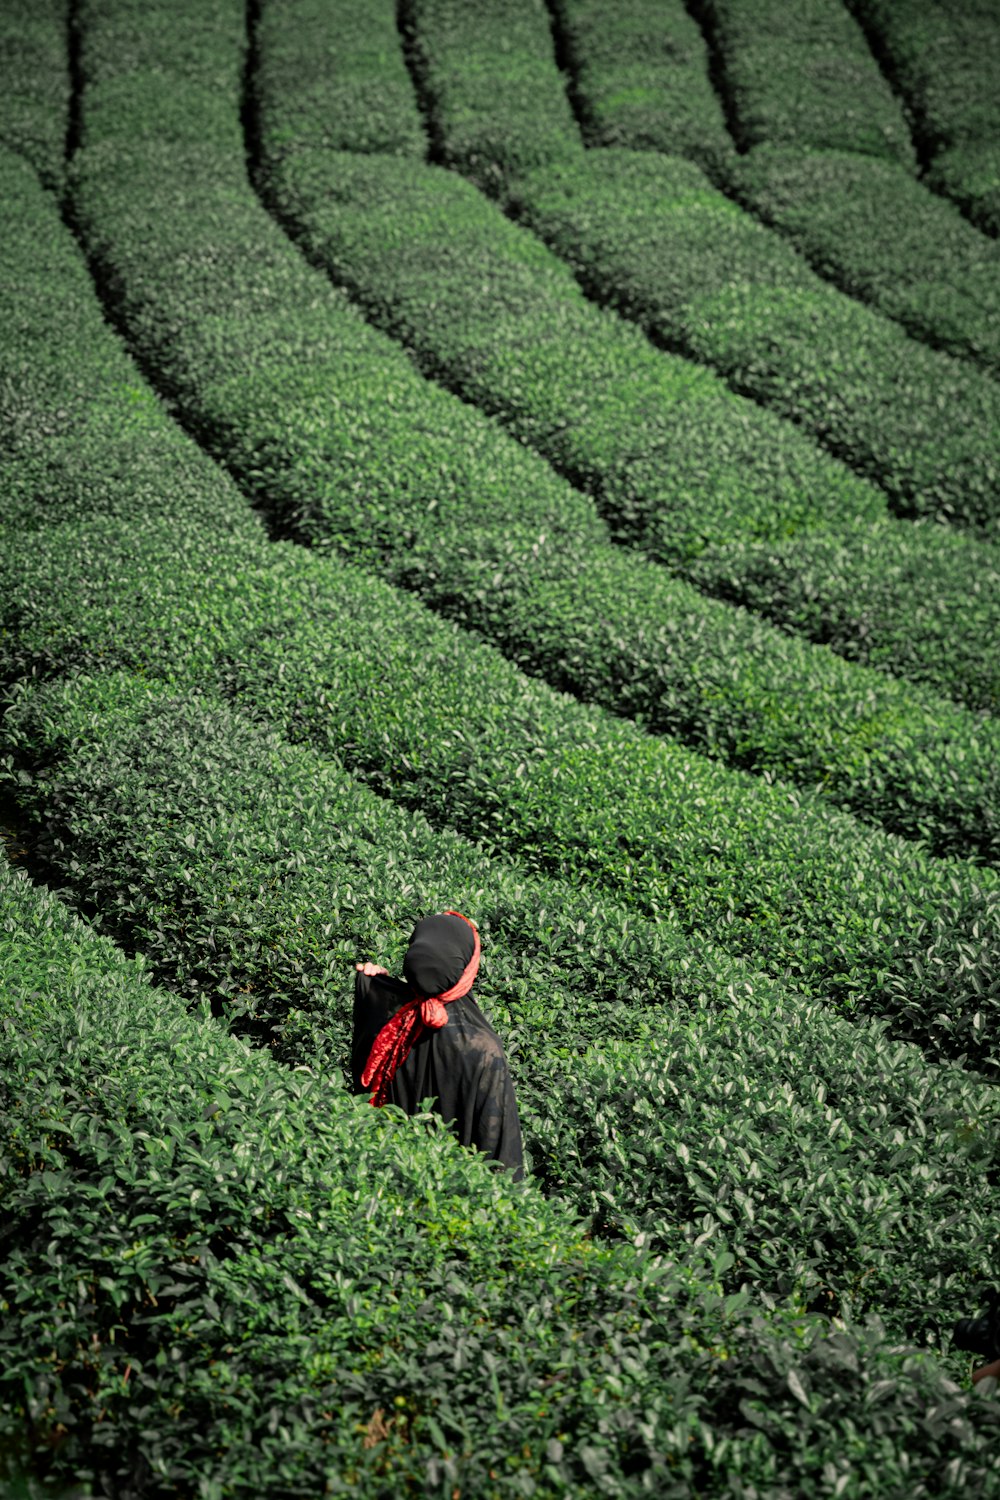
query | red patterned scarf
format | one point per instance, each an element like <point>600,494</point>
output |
<point>393,1044</point>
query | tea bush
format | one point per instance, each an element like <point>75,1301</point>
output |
<point>377,227</point>
<point>265,1287</point>
<point>860,590</point>
<point>559,598</point>
<point>702,1104</point>
<point>656,241</point>
<point>943,61</point>
<point>34,100</point>
<point>565,789</point>
<point>638,77</point>
<point>885,238</point>
<point>804,77</point>
<point>83,433</point>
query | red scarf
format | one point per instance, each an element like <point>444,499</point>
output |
<point>392,1046</point>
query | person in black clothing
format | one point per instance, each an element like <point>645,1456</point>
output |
<point>427,1037</point>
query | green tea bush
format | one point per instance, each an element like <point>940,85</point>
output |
<point>611,627</point>
<point>656,241</point>
<point>861,220</point>
<point>82,432</point>
<point>804,77</point>
<point>351,74</point>
<point>861,591</point>
<point>760,869</point>
<point>35,84</point>
<point>885,238</point>
<point>639,77</point>
<point>235,1280</point>
<point>943,60</point>
<point>242,869</point>
<point>433,475</point>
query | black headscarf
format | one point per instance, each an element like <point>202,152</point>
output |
<point>440,948</point>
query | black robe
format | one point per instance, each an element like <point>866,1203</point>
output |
<point>461,1064</point>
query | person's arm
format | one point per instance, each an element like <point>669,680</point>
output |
<point>362,1035</point>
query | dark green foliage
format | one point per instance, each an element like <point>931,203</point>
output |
<point>944,59</point>
<point>345,65</point>
<point>35,84</point>
<point>864,591</point>
<point>639,77</point>
<point>804,75</point>
<point>222,1277</point>
<point>343,662</point>
<point>554,594</point>
<point>265,1287</point>
<point>734,296</point>
<point>883,237</point>
<point>81,433</point>
<point>243,870</point>
<point>511,61</point>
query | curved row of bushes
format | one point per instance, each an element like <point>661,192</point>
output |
<point>241,1281</point>
<point>655,240</point>
<point>704,1105</point>
<point>84,434</point>
<point>803,77</point>
<point>34,100</point>
<point>638,76</point>
<point>885,593</point>
<point>943,59</point>
<point>611,627</point>
<point>885,238</point>
<point>342,661</point>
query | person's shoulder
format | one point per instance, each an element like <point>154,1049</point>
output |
<point>477,1034</point>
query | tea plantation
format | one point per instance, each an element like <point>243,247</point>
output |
<point>538,458</point>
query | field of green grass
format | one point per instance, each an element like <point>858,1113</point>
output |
<point>540,458</point>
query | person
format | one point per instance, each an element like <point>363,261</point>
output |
<point>426,1036</point>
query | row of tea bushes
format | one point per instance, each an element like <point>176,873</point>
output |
<point>594,397</point>
<point>859,218</point>
<point>555,595</point>
<point>654,239</point>
<point>943,60</point>
<point>378,226</point>
<point>865,591</point>
<point>443,724</point>
<point>884,237</point>
<point>210,1294</point>
<point>35,78</point>
<point>638,76</point>
<point>704,1106</point>
<point>802,77</point>
<point>84,434</point>
<point>640,79</point>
